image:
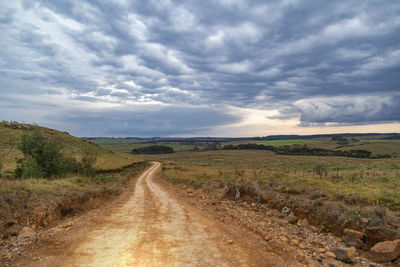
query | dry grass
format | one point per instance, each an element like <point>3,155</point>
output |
<point>15,194</point>
<point>358,181</point>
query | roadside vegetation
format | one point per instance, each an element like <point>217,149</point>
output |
<point>11,135</point>
<point>41,169</point>
<point>44,158</point>
<point>353,180</point>
<point>332,193</point>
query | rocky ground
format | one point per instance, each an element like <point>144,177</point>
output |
<point>285,233</point>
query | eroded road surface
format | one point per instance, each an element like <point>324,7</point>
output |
<point>154,229</point>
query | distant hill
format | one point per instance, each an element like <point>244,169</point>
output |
<point>321,136</point>
<point>12,132</point>
<point>156,140</point>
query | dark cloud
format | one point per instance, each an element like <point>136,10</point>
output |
<point>350,111</point>
<point>146,121</point>
<point>307,59</point>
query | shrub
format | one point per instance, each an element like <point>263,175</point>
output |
<point>41,158</point>
<point>45,158</point>
<point>31,169</point>
<point>87,164</point>
<point>71,165</point>
<point>320,170</point>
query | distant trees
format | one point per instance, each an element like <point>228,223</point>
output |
<point>340,140</point>
<point>154,149</point>
<point>299,150</point>
<point>44,158</point>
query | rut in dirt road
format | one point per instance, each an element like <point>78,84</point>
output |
<point>153,229</point>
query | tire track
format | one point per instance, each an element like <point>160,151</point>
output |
<point>154,229</point>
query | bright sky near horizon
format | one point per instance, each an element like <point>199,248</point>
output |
<point>201,68</point>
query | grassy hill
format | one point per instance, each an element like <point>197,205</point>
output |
<point>38,201</point>
<point>11,134</point>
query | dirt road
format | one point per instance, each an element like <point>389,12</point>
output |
<point>154,229</point>
<point>150,225</point>
<point>155,223</point>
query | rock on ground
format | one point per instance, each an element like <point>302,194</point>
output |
<point>26,232</point>
<point>353,233</point>
<point>345,254</point>
<point>385,251</point>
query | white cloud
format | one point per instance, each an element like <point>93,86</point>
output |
<point>236,67</point>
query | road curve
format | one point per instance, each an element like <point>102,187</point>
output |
<point>154,229</point>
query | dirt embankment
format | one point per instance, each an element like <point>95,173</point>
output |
<point>289,232</point>
<point>20,210</point>
<point>377,223</point>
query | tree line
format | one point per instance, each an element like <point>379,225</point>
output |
<point>303,150</point>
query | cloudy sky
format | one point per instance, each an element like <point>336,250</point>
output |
<point>201,68</point>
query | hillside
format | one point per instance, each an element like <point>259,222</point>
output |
<point>37,202</point>
<point>11,134</point>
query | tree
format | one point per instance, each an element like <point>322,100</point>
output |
<point>41,157</point>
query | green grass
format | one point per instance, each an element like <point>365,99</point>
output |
<point>366,181</point>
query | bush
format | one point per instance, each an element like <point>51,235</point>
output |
<point>87,164</point>
<point>41,158</point>
<point>30,169</point>
<point>71,165</point>
<point>45,158</point>
<point>320,170</point>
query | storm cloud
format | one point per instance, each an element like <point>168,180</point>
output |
<point>154,68</point>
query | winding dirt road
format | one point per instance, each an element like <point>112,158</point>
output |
<point>154,224</point>
<point>150,226</point>
<point>154,229</point>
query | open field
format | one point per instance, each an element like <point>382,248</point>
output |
<point>357,181</point>
<point>376,146</point>
<point>126,145</point>
<point>390,147</point>
<point>288,142</point>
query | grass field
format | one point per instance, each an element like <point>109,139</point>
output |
<point>288,142</point>
<point>361,181</point>
<point>126,145</point>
